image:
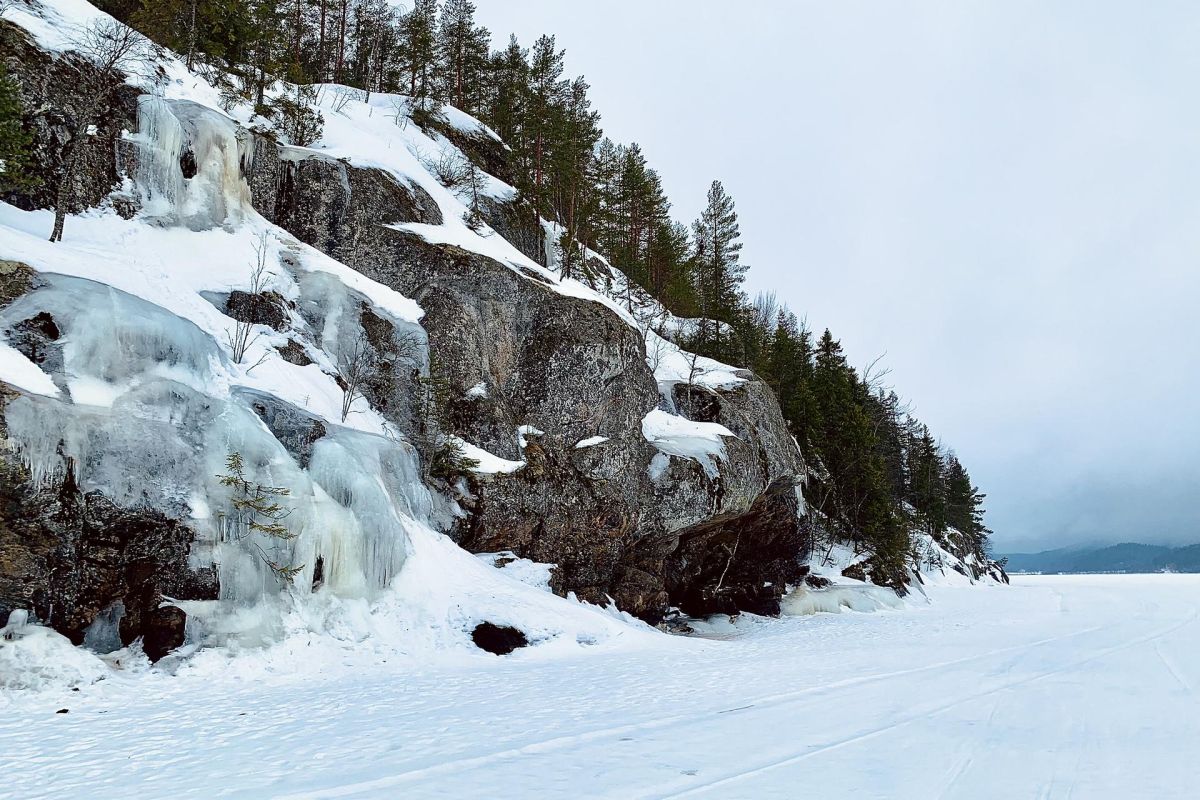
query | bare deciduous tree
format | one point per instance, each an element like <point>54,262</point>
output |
<point>359,363</point>
<point>342,95</point>
<point>651,326</point>
<point>242,335</point>
<point>450,169</point>
<point>693,360</point>
<point>111,49</point>
<point>353,366</point>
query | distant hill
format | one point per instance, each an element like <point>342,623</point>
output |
<point>1127,557</point>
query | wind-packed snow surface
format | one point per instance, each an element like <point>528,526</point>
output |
<point>1078,687</point>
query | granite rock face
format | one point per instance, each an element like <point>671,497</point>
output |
<point>518,355</point>
<point>49,89</point>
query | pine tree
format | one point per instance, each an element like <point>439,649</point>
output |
<point>719,271</point>
<point>462,55</point>
<point>509,96</point>
<point>418,32</point>
<point>546,95</point>
<point>573,141</point>
<point>374,64</point>
<point>15,141</point>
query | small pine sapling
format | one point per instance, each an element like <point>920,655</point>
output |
<point>256,509</point>
<point>15,141</point>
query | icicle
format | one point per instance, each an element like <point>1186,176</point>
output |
<point>160,140</point>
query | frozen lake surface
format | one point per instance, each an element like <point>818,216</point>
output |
<point>1055,687</point>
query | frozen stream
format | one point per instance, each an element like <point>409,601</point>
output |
<point>1056,687</point>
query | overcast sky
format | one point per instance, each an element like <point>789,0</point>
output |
<point>1004,197</point>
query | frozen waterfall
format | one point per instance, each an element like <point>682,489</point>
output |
<point>189,166</point>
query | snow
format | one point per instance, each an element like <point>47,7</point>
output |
<point>527,571</point>
<point>673,365</point>
<point>677,436</point>
<point>591,441</point>
<point>477,392</point>
<point>803,601</point>
<point>465,123</point>
<point>36,658</point>
<point>19,371</point>
<point>1055,687</point>
<point>489,464</point>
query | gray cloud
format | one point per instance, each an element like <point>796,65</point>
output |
<point>1002,196</point>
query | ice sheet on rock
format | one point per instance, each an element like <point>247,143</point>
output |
<point>380,482</point>
<point>218,146</point>
<point>677,436</point>
<point>114,338</point>
<point>136,460</point>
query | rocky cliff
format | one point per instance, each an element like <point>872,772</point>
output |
<point>126,394</point>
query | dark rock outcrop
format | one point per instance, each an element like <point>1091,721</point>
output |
<point>50,90</point>
<point>16,278</point>
<point>498,639</point>
<point>296,429</point>
<point>264,308</point>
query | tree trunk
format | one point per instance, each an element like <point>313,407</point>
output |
<point>296,37</point>
<point>321,46</point>
<point>62,197</point>
<point>191,57</point>
<point>337,74</point>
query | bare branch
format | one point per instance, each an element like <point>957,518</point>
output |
<point>243,336</point>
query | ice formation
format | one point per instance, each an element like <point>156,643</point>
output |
<point>215,149</point>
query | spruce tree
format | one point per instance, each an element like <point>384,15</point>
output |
<point>15,141</point>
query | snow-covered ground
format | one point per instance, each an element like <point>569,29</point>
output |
<point>1078,687</point>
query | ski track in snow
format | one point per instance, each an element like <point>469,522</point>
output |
<point>1057,687</point>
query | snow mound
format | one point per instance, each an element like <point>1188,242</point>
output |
<point>527,571</point>
<point>803,601</point>
<point>36,658</point>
